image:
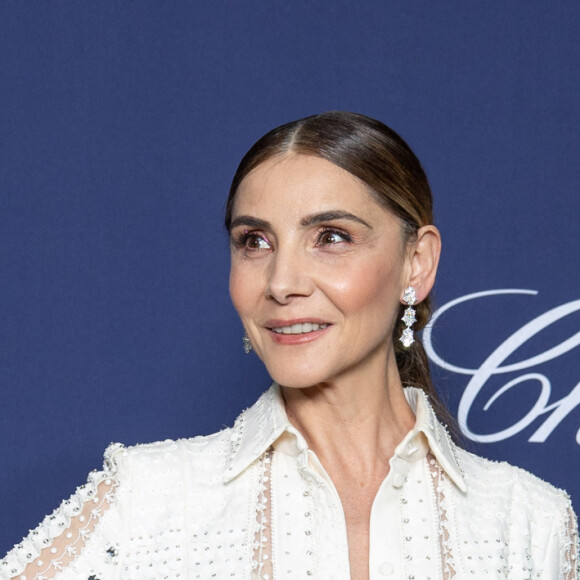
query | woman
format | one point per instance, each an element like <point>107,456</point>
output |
<point>343,468</point>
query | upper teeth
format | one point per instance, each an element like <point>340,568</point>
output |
<point>299,328</point>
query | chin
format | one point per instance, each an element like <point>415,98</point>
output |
<point>296,377</point>
<point>295,385</point>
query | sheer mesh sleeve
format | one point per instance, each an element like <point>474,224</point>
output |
<point>62,536</point>
<point>569,554</point>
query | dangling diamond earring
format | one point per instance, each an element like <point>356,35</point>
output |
<point>246,344</point>
<point>409,298</point>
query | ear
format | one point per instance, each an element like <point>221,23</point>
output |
<point>423,260</point>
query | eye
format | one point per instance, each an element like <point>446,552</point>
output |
<point>251,241</point>
<point>330,236</point>
<point>257,242</point>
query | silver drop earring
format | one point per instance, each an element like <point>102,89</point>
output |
<point>246,344</point>
<point>409,319</point>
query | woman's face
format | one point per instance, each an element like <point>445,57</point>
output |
<point>317,271</point>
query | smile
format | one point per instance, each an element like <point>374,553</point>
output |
<point>301,328</point>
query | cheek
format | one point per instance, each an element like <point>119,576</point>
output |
<point>367,288</point>
<point>242,290</point>
<point>236,289</point>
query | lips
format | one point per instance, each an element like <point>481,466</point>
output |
<point>296,330</point>
<point>299,328</point>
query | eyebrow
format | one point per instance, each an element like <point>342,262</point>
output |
<point>316,218</point>
<point>249,221</point>
<point>332,215</point>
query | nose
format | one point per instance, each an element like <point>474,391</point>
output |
<point>289,276</point>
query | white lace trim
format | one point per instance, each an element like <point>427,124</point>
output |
<point>438,479</point>
<point>262,568</point>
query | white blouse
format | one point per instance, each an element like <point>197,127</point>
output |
<point>253,502</point>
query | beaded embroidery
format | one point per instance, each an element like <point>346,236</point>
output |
<point>570,562</point>
<point>262,559</point>
<point>438,482</point>
<point>231,505</point>
<point>61,537</point>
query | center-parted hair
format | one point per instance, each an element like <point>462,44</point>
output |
<point>379,157</point>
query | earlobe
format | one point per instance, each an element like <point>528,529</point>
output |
<point>424,260</point>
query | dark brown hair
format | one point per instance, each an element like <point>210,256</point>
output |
<point>375,154</point>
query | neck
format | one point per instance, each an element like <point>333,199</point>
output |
<point>353,422</point>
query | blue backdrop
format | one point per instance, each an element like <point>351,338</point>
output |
<point>121,124</point>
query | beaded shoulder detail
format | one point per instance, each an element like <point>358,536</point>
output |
<point>547,537</point>
<point>60,538</point>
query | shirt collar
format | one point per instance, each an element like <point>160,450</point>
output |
<point>266,424</point>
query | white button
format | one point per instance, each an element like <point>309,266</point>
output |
<point>386,569</point>
<point>398,480</point>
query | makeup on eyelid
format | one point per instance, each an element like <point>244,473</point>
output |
<point>242,239</point>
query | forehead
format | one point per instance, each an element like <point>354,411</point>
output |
<point>303,183</point>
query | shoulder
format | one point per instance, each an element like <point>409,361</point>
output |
<point>499,483</point>
<point>134,480</point>
<point>202,456</point>
<point>531,521</point>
